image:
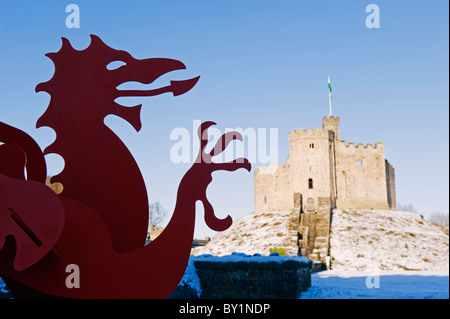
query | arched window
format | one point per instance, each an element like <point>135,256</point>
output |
<point>310,183</point>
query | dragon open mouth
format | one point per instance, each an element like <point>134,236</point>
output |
<point>176,87</point>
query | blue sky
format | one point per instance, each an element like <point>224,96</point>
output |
<point>263,64</point>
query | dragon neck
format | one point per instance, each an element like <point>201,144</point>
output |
<point>100,172</point>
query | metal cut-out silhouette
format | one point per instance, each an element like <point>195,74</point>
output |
<point>99,222</point>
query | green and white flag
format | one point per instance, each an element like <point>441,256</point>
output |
<point>329,93</point>
<point>329,87</point>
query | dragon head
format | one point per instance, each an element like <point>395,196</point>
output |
<point>84,87</point>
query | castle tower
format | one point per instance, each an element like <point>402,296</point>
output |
<point>320,165</point>
<point>331,123</point>
<point>321,173</point>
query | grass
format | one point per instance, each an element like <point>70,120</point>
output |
<point>281,251</point>
<point>409,269</point>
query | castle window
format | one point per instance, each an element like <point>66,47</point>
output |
<point>310,183</point>
<point>311,145</point>
<point>358,163</point>
<point>265,200</point>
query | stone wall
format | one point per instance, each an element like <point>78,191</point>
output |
<point>390,183</point>
<point>239,276</point>
<point>272,189</point>
<point>262,277</point>
<point>311,165</point>
<point>361,176</point>
<point>154,232</point>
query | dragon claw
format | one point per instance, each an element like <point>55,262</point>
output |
<point>203,130</point>
<point>211,219</point>
<point>203,157</point>
<point>223,142</point>
<point>221,145</point>
<point>205,165</point>
<point>233,165</point>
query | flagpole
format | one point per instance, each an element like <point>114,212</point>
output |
<point>329,94</point>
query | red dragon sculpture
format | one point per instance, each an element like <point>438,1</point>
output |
<point>99,222</point>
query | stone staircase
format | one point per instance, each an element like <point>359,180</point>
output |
<point>313,229</point>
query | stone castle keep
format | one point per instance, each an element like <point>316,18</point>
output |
<point>321,165</point>
<point>322,173</point>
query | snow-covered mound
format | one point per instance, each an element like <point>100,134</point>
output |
<point>386,240</point>
<point>359,240</point>
<point>254,234</point>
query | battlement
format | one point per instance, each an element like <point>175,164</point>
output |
<point>331,123</point>
<point>378,145</point>
<point>295,135</point>
<point>331,120</point>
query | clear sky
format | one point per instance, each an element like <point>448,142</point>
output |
<point>263,64</point>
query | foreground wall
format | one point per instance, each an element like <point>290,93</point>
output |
<point>240,276</point>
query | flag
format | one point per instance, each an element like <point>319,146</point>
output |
<point>329,87</point>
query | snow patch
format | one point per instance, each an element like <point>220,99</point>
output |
<point>254,234</point>
<point>190,278</point>
<point>386,240</point>
<point>344,284</point>
<point>258,258</point>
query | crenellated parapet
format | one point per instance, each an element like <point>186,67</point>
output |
<point>300,134</point>
<point>343,145</point>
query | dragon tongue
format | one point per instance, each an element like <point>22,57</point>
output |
<point>181,87</point>
<point>176,87</point>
